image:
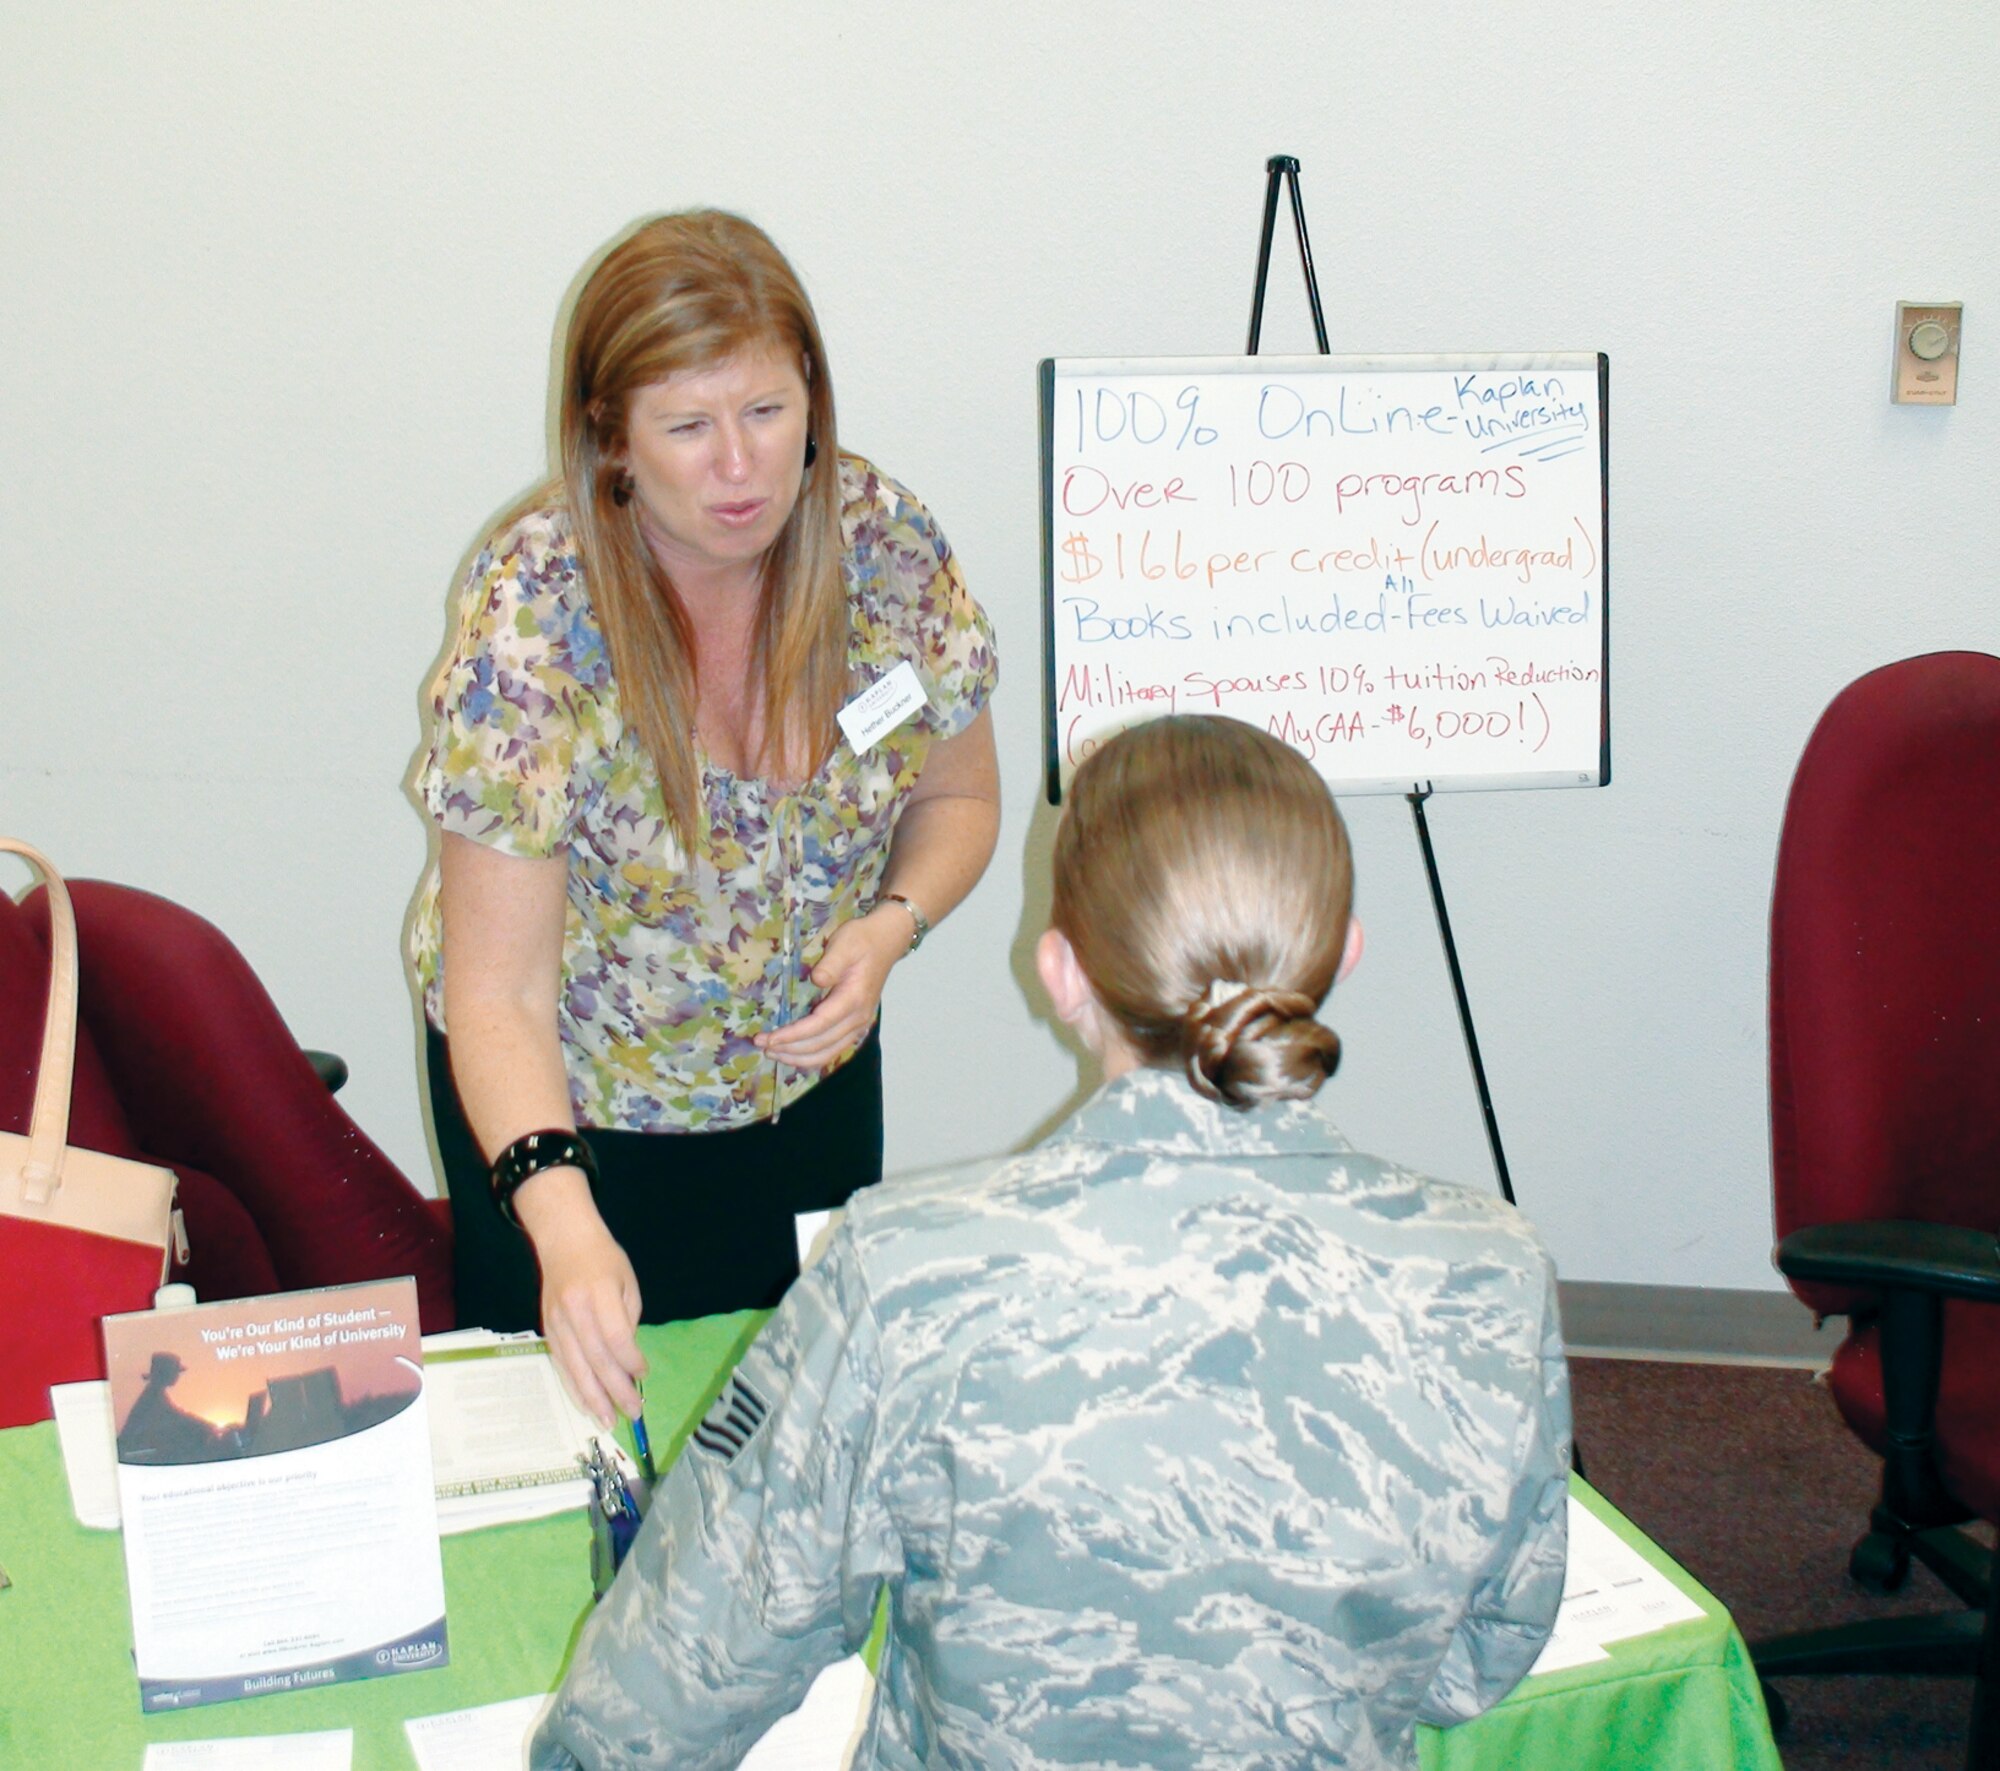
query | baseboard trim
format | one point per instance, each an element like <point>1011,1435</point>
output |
<point>1691,1322</point>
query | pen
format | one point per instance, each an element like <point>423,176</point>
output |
<point>643,1445</point>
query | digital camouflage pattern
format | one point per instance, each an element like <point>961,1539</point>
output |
<point>1189,1439</point>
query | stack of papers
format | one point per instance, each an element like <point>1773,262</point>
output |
<point>505,1437</point>
<point>1610,1592</point>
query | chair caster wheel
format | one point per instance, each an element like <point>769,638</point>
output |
<point>1879,1562</point>
<point>1774,1707</point>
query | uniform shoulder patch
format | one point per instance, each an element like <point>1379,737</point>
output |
<point>733,1421</point>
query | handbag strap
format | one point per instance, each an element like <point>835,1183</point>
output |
<point>48,1123</point>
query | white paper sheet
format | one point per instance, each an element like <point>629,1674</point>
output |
<point>820,1735</point>
<point>330,1751</point>
<point>1610,1593</point>
<point>493,1737</point>
<point>505,1434</point>
<point>812,1229</point>
<point>84,1430</point>
<point>245,1572</point>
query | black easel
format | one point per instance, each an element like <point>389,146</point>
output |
<point>1284,168</point>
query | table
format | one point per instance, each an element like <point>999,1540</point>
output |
<point>1683,1699</point>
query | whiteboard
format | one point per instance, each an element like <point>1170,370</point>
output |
<point>1395,563</point>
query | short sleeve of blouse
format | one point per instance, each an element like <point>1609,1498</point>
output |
<point>521,704</point>
<point>914,600</point>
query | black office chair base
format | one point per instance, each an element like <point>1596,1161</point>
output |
<point>1956,1644</point>
<point>1960,1560</point>
<point>1880,1562</point>
<point>1942,1646</point>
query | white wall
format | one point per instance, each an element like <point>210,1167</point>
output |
<point>274,341</point>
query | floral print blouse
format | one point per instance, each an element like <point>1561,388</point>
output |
<point>673,961</point>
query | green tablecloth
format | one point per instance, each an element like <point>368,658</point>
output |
<point>1683,1699</point>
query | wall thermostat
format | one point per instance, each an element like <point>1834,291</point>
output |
<point>1926,372</point>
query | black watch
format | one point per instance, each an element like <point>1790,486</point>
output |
<point>527,1157</point>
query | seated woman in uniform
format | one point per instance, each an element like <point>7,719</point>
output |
<point>1190,1438</point>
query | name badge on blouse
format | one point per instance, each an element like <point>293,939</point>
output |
<point>883,706</point>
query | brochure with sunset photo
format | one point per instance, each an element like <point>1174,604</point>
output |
<point>274,1473</point>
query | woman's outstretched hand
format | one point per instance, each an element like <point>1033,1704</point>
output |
<point>590,1307</point>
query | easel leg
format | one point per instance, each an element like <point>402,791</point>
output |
<point>1284,168</point>
<point>1458,992</point>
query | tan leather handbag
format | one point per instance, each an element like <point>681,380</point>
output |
<point>82,1235</point>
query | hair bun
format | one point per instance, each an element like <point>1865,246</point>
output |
<point>1244,1044</point>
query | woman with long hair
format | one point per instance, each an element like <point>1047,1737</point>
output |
<point>1193,1437</point>
<point>710,753</point>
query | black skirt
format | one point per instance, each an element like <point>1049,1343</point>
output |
<point>706,1217</point>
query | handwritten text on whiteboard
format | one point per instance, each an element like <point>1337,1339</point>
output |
<point>1396,564</point>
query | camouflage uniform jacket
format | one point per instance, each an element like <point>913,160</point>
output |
<point>1190,1438</point>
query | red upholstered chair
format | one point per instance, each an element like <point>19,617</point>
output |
<point>1885,1133</point>
<point>183,1059</point>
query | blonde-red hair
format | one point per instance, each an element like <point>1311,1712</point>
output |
<point>683,293</point>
